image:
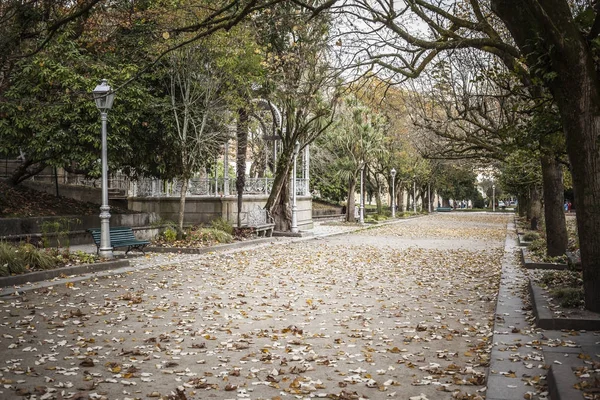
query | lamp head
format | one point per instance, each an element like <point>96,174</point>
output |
<point>103,96</point>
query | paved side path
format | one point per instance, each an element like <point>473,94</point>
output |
<point>517,366</point>
<point>401,311</point>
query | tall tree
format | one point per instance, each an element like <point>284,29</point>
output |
<point>356,139</point>
<point>562,52</point>
<point>199,112</point>
<point>302,84</point>
<point>49,118</point>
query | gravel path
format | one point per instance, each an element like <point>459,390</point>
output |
<point>400,311</point>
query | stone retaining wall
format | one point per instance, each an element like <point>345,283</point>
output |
<point>203,209</point>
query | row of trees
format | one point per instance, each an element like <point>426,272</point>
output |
<point>372,133</point>
<point>548,101</point>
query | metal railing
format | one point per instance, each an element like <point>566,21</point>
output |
<point>207,187</point>
<point>149,187</point>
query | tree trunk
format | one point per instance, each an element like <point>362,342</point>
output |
<point>278,202</point>
<point>535,207</point>
<point>522,206</point>
<point>26,170</point>
<point>378,201</point>
<point>184,186</point>
<point>242,148</point>
<point>350,205</point>
<point>281,211</point>
<point>556,228</point>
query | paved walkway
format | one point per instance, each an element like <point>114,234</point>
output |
<point>403,311</point>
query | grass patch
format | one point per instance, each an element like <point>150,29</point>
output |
<point>531,236</point>
<point>565,278</point>
<point>222,225</point>
<point>210,235</point>
<point>16,260</point>
<point>537,250</point>
<point>23,258</point>
<point>565,286</point>
<point>568,297</point>
<point>196,236</point>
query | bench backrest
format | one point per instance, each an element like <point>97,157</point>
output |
<point>257,216</point>
<point>117,234</point>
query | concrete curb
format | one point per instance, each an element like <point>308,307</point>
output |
<point>544,318</point>
<point>522,242</point>
<point>529,264</point>
<point>55,273</point>
<point>560,383</point>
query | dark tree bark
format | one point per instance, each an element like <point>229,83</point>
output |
<point>523,205</point>
<point>535,207</point>
<point>278,203</point>
<point>350,205</point>
<point>554,215</point>
<point>576,89</point>
<point>378,201</point>
<point>242,148</point>
<point>26,170</point>
<point>281,212</point>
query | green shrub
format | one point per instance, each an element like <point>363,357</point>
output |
<point>169,234</point>
<point>83,257</point>
<point>569,297</point>
<point>222,225</point>
<point>531,236</point>
<point>35,258</point>
<point>19,259</point>
<point>538,246</point>
<point>10,259</point>
<point>211,235</point>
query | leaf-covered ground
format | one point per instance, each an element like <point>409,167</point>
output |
<point>19,202</point>
<point>369,315</point>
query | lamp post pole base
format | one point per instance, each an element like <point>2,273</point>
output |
<point>294,227</point>
<point>105,250</point>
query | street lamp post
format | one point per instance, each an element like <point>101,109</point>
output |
<point>414,194</point>
<point>104,97</point>
<point>429,197</point>
<point>393,173</point>
<point>226,170</point>
<point>294,206</point>
<point>494,198</point>
<point>362,197</point>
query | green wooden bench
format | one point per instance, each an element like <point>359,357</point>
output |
<point>444,209</point>
<point>121,236</point>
